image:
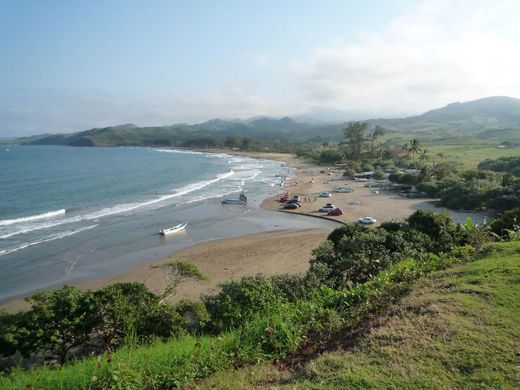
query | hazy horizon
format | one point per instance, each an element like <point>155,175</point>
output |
<point>70,66</point>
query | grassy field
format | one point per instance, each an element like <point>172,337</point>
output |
<point>458,328</point>
<point>467,155</point>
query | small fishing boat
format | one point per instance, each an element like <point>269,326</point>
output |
<point>242,199</point>
<point>173,229</point>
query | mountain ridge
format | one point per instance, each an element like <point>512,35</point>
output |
<point>480,116</point>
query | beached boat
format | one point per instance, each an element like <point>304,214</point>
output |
<point>174,229</point>
<point>242,199</point>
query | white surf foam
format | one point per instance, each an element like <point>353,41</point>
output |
<point>118,209</point>
<point>47,239</point>
<point>36,217</point>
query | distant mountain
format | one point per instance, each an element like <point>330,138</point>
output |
<point>490,118</point>
<point>178,134</point>
<point>468,118</point>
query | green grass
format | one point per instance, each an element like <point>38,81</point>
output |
<point>458,328</point>
<point>467,155</point>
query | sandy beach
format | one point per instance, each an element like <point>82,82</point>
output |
<point>275,252</point>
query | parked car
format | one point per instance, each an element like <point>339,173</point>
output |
<point>335,212</point>
<point>292,206</point>
<point>343,189</point>
<point>293,201</point>
<point>325,194</point>
<point>284,198</point>
<point>327,207</point>
<point>367,220</point>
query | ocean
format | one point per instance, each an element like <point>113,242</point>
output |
<point>73,214</point>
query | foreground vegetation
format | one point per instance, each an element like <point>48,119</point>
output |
<point>458,328</point>
<point>354,276</point>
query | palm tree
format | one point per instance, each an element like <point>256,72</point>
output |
<point>414,148</point>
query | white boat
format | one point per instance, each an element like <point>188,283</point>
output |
<point>173,229</point>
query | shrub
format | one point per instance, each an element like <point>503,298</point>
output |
<point>330,156</point>
<point>404,178</point>
<point>439,227</point>
<point>240,300</point>
<point>290,287</point>
<point>58,321</point>
<point>194,314</point>
<point>354,254</point>
<point>430,188</point>
<point>349,173</point>
<point>509,222</point>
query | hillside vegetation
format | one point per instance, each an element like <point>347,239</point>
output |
<point>356,275</point>
<point>492,119</point>
<point>458,328</point>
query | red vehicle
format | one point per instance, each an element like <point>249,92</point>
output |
<point>335,212</point>
<point>284,198</point>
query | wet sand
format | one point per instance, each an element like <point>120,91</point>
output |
<point>275,252</point>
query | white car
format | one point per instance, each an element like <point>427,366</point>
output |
<point>367,220</point>
<point>327,207</point>
<point>325,194</point>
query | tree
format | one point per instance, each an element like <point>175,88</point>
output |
<point>376,149</point>
<point>413,148</point>
<point>233,141</point>
<point>58,321</point>
<point>176,272</point>
<point>245,144</point>
<point>355,140</point>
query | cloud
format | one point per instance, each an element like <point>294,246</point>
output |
<point>436,52</point>
<point>23,113</point>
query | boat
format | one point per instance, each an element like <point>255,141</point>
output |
<point>174,229</point>
<point>242,199</point>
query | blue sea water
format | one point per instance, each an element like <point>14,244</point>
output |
<point>71,214</point>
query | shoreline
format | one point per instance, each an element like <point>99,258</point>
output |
<point>254,253</point>
<point>251,244</point>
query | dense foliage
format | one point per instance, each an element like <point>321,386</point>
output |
<point>354,274</point>
<point>495,185</point>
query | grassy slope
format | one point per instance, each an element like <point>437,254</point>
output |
<point>469,154</point>
<point>459,328</point>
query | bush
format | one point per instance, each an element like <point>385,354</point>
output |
<point>439,227</point>
<point>509,222</point>
<point>195,316</point>
<point>354,254</point>
<point>349,173</point>
<point>58,321</point>
<point>240,300</point>
<point>290,287</point>
<point>330,156</point>
<point>65,318</point>
<point>404,178</point>
<point>430,188</point>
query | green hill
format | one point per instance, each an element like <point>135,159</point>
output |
<point>457,329</point>
<point>468,118</point>
<point>490,119</point>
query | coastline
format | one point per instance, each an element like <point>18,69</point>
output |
<point>270,251</point>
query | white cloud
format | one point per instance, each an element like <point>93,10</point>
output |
<point>437,52</point>
<point>434,53</point>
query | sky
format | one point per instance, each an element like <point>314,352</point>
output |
<point>69,65</point>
